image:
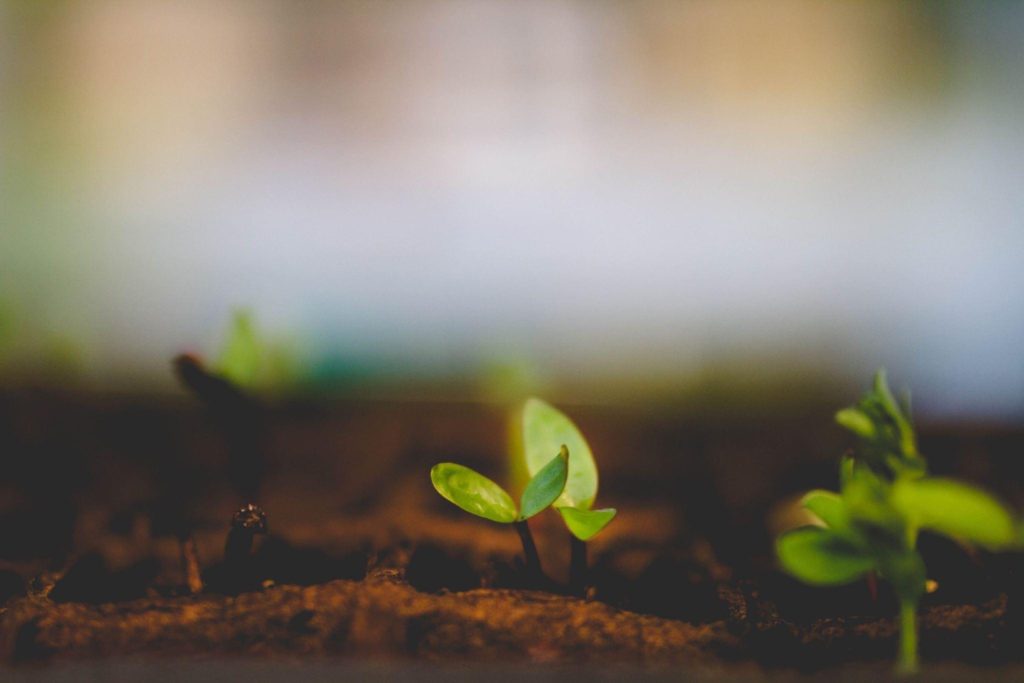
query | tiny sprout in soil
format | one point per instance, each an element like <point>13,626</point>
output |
<point>885,498</point>
<point>544,426</point>
<point>478,495</point>
<point>228,390</point>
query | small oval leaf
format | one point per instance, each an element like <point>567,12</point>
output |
<point>546,486</point>
<point>585,524</point>
<point>828,507</point>
<point>857,421</point>
<point>473,492</point>
<point>545,430</point>
<point>955,509</point>
<point>820,557</point>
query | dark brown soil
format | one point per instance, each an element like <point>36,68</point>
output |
<point>364,560</point>
<point>378,616</point>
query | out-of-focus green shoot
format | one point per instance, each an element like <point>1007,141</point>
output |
<point>885,498</point>
<point>37,353</point>
<point>241,359</point>
<point>888,444</point>
<point>544,428</point>
<point>247,367</point>
<point>250,361</point>
<point>480,496</point>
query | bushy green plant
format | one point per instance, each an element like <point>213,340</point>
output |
<point>480,496</point>
<point>544,426</point>
<point>885,498</point>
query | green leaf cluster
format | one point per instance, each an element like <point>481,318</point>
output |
<point>872,524</point>
<point>888,443</point>
<point>885,499</point>
<point>544,429</point>
<point>478,495</point>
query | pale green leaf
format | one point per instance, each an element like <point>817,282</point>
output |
<point>905,431</point>
<point>545,430</point>
<point>585,524</point>
<point>473,492</point>
<point>545,486</point>
<point>857,421</point>
<point>821,557</point>
<point>828,507</point>
<point>242,355</point>
<point>955,509</point>
<point>881,389</point>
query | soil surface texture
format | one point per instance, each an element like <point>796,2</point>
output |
<point>112,506</point>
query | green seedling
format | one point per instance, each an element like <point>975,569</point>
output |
<point>885,498</point>
<point>236,387</point>
<point>544,426</point>
<point>478,495</point>
<point>230,391</point>
<point>249,360</point>
<point>247,366</point>
<point>242,357</point>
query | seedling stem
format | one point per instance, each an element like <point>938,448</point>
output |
<point>245,524</point>
<point>908,637</point>
<point>533,566</point>
<point>544,428</point>
<point>190,565</point>
<point>577,565</point>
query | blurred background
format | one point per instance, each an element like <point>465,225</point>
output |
<point>630,200</point>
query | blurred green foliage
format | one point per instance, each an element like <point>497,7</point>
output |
<point>885,498</point>
<point>251,361</point>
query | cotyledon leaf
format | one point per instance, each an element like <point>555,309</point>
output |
<point>545,430</point>
<point>829,507</point>
<point>473,492</point>
<point>545,486</point>
<point>821,557</point>
<point>585,524</point>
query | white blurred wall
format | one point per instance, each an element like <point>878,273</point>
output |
<point>607,188</point>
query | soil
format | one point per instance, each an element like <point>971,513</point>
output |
<point>363,562</point>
